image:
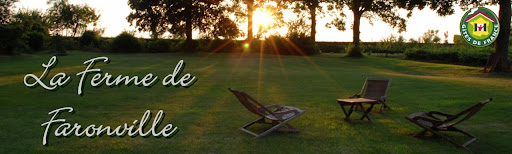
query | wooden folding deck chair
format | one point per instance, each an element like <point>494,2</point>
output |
<point>376,89</point>
<point>435,124</point>
<point>279,117</point>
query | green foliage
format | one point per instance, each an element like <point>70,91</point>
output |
<point>33,26</point>
<point>225,28</point>
<point>331,47</point>
<point>126,42</point>
<point>159,45</point>
<point>70,17</point>
<point>459,41</point>
<point>458,55</point>
<point>223,46</point>
<point>352,52</point>
<point>90,39</point>
<point>430,37</point>
<point>293,44</point>
<point>304,43</point>
<point>10,39</point>
<point>390,45</point>
<point>36,40</point>
<point>59,44</point>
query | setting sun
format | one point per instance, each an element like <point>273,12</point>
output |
<point>262,17</point>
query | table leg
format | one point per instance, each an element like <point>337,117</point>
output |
<point>365,112</point>
<point>347,114</point>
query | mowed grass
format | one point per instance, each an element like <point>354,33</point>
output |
<point>208,115</point>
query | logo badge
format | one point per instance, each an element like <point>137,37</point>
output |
<point>479,27</point>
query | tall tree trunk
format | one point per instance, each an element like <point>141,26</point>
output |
<point>75,30</point>
<point>188,28</point>
<point>250,11</point>
<point>356,51</point>
<point>312,12</point>
<point>498,60</point>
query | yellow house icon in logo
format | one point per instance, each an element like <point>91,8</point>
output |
<point>480,25</point>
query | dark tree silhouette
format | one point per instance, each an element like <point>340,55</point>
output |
<point>75,18</point>
<point>181,17</point>
<point>251,6</point>
<point>385,9</point>
<point>148,15</point>
<point>312,7</point>
<point>5,10</point>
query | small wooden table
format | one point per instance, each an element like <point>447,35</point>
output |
<point>357,102</point>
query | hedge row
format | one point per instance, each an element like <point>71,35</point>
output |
<point>294,44</point>
<point>457,55</point>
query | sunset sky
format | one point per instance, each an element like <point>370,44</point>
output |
<point>114,13</point>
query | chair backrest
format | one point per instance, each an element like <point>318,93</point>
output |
<point>375,88</point>
<point>250,103</point>
<point>469,112</point>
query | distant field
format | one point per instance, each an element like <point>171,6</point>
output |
<point>208,116</point>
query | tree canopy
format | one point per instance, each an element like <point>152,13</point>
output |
<point>386,10</point>
<point>181,17</point>
<point>5,10</point>
<point>70,17</point>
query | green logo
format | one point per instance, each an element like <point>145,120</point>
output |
<point>479,27</point>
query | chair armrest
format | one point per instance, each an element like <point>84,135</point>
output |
<point>269,107</point>
<point>355,96</point>
<point>432,113</point>
<point>383,99</point>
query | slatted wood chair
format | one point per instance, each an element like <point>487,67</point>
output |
<point>435,121</point>
<point>376,89</point>
<point>278,116</point>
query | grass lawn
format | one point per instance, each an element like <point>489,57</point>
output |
<point>208,115</point>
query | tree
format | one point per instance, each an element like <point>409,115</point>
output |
<point>71,17</point>
<point>181,17</point>
<point>33,27</point>
<point>148,15</point>
<point>386,10</point>
<point>5,10</point>
<point>248,12</point>
<point>498,60</point>
<point>311,6</point>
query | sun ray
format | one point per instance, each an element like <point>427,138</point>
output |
<point>283,69</point>
<point>260,72</point>
<point>262,17</point>
<point>223,45</point>
<point>320,70</point>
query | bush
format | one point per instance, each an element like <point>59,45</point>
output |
<point>126,42</point>
<point>90,39</point>
<point>351,51</point>
<point>223,46</point>
<point>105,43</point>
<point>304,43</point>
<point>159,46</point>
<point>459,41</point>
<point>331,47</point>
<point>36,40</point>
<point>294,44</point>
<point>71,43</point>
<point>458,55</point>
<point>10,38</point>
